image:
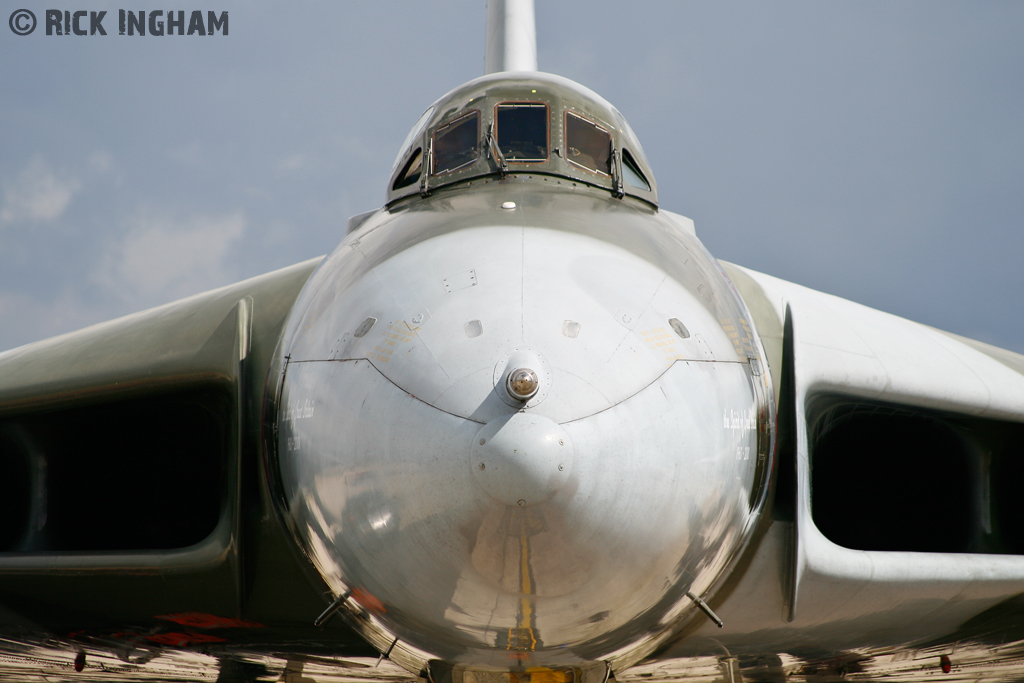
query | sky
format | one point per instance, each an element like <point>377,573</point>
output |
<point>872,150</point>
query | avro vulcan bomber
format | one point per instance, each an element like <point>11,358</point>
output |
<point>520,425</point>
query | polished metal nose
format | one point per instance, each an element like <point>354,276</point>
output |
<point>523,497</point>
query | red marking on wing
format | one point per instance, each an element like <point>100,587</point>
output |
<point>184,639</point>
<point>201,620</point>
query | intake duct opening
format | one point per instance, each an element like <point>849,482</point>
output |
<point>136,474</point>
<point>889,477</point>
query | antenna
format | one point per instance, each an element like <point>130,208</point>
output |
<point>511,36</point>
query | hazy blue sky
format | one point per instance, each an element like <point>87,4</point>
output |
<point>873,150</point>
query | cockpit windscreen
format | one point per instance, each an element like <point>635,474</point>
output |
<point>457,144</point>
<point>588,145</point>
<point>522,131</point>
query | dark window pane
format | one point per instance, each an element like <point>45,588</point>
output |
<point>411,173</point>
<point>631,172</point>
<point>457,144</point>
<point>523,131</point>
<point>589,145</point>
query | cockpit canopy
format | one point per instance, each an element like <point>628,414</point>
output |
<point>527,122</point>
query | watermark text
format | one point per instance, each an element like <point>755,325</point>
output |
<point>129,22</point>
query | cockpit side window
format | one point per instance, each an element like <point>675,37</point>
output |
<point>588,145</point>
<point>410,172</point>
<point>416,131</point>
<point>457,144</point>
<point>631,172</point>
<point>522,131</point>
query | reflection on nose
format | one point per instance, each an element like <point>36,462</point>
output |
<point>521,459</point>
<point>546,485</point>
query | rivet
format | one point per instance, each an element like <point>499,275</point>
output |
<point>561,467</point>
<point>521,502</point>
<point>508,205</point>
<point>561,442</point>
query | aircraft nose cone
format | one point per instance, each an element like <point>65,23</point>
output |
<point>522,459</point>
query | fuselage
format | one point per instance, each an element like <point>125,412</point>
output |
<point>575,525</point>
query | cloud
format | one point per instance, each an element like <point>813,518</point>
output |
<point>25,317</point>
<point>162,257</point>
<point>36,194</point>
<point>159,258</point>
<point>101,161</point>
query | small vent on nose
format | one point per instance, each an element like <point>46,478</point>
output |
<point>365,326</point>
<point>679,328</point>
